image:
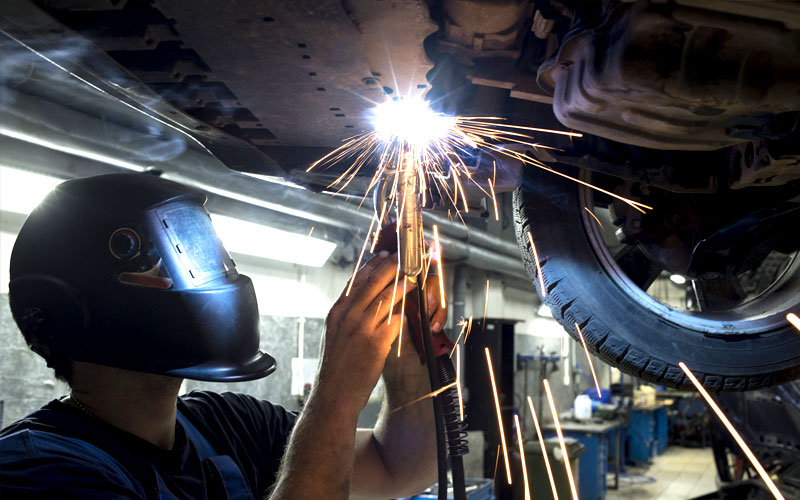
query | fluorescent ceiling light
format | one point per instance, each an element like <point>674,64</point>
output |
<point>82,153</point>
<point>274,179</point>
<point>249,238</point>
<point>21,191</point>
<point>677,279</point>
<point>277,207</point>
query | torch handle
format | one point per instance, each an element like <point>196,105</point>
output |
<point>409,222</point>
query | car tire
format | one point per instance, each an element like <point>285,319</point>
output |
<point>616,324</point>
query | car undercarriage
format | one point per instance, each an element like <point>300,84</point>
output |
<point>687,107</point>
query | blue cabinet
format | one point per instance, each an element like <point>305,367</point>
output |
<point>600,442</point>
<point>662,429</point>
<point>641,436</point>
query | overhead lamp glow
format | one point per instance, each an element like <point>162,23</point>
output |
<point>21,191</point>
<point>79,152</point>
<point>544,311</point>
<point>411,121</point>
<point>677,279</point>
<point>249,238</point>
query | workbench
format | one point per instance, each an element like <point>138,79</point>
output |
<point>647,433</point>
<point>601,439</point>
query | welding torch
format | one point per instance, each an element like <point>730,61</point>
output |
<point>411,251</point>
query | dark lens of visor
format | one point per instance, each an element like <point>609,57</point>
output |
<point>195,240</point>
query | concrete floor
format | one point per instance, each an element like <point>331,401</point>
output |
<point>678,474</point>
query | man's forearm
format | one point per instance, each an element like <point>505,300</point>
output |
<point>318,461</point>
<point>405,439</point>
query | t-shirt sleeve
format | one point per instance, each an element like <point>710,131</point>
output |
<point>252,431</point>
<point>41,465</point>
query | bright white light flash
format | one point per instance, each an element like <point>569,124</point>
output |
<point>677,279</point>
<point>411,121</point>
<point>21,191</point>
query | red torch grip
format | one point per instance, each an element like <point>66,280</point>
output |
<point>442,345</point>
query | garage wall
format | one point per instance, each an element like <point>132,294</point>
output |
<point>26,383</point>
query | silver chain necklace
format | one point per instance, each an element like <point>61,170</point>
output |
<point>80,405</point>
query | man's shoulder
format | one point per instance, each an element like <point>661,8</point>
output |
<point>48,419</point>
<point>28,453</point>
<point>24,441</point>
<point>228,404</point>
<point>233,420</point>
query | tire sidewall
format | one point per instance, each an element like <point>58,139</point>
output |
<point>616,326</point>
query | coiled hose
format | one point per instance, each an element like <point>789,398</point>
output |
<point>448,427</point>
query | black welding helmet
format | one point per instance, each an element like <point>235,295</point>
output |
<point>126,270</point>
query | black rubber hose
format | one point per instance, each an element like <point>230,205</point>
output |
<point>433,376</point>
<point>454,428</point>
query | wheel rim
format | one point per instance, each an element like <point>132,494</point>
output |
<point>764,311</point>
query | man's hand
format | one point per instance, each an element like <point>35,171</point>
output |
<point>400,455</point>
<point>358,333</point>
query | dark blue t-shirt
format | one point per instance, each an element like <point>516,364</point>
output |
<point>100,461</point>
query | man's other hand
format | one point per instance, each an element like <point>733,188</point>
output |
<point>359,335</point>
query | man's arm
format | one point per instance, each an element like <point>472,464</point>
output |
<point>398,457</point>
<point>318,462</point>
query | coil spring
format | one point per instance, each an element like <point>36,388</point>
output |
<point>455,429</point>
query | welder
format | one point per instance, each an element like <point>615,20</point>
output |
<point>120,283</point>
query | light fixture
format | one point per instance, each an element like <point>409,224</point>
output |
<point>258,240</point>
<point>677,279</point>
<point>21,191</point>
<point>544,311</point>
<point>80,152</point>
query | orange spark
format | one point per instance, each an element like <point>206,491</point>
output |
<point>544,449</point>
<point>434,161</point>
<point>499,415</point>
<point>753,460</point>
<point>463,325</point>
<point>561,439</point>
<point>589,359</point>
<point>310,231</point>
<point>439,264</point>
<point>360,256</point>
<point>458,382</point>
<point>402,315</point>
<point>794,320</point>
<point>485,305</point>
<point>538,267</point>
<point>469,329</point>
<point>380,303</point>
<point>522,459</point>
<point>494,200</point>
<point>431,394</point>
<point>496,463</point>
<point>427,267</point>
<point>394,290</point>
<point>377,229</point>
<point>594,217</point>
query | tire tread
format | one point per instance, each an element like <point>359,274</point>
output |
<point>568,308</point>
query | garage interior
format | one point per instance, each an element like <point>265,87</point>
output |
<point>689,108</point>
